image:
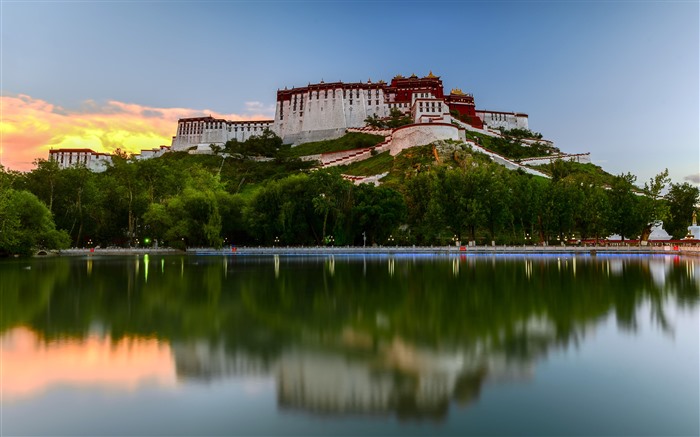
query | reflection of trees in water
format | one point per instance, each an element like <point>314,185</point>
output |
<point>357,337</point>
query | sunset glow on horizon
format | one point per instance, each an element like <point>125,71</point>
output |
<point>30,127</point>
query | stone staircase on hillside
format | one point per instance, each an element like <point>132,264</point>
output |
<point>349,156</point>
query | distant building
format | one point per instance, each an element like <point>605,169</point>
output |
<point>152,153</point>
<point>94,161</point>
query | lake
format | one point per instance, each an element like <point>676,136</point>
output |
<point>351,345</point>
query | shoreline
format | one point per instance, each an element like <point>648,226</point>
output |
<point>390,250</point>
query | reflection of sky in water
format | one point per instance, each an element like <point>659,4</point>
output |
<point>600,379</point>
<point>35,366</point>
<point>609,380</point>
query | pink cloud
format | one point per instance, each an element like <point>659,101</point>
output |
<point>30,127</point>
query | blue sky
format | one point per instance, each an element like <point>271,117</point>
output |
<point>618,79</point>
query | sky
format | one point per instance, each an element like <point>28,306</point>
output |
<point>618,79</point>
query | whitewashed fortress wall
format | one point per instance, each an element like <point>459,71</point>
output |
<point>208,130</point>
<point>94,161</point>
<point>506,120</point>
<point>326,110</point>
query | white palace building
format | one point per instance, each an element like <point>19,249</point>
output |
<point>326,110</point>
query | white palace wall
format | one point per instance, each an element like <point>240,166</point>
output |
<point>325,114</point>
<point>506,120</point>
<point>207,130</point>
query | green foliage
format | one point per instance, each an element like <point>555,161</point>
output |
<point>26,224</point>
<point>682,200</point>
<point>268,144</point>
<point>521,133</point>
<point>511,146</point>
<point>377,164</point>
<point>349,141</point>
<point>431,194</point>
<point>395,119</point>
<point>378,212</point>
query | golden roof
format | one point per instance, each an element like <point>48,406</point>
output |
<point>413,76</point>
<point>398,76</point>
<point>457,92</point>
<point>431,75</point>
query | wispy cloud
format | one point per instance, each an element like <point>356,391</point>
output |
<point>260,110</point>
<point>694,178</point>
<point>31,127</point>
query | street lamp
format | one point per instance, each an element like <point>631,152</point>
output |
<point>277,240</point>
<point>391,239</point>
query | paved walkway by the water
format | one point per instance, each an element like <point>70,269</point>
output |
<point>442,250</point>
<point>388,250</point>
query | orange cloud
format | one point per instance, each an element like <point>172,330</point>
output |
<point>31,366</point>
<point>30,127</point>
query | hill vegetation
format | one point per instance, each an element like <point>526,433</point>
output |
<point>258,193</point>
<point>352,140</point>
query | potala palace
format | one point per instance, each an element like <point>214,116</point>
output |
<point>325,111</point>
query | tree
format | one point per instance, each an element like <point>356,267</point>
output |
<point>624,218</point>
<point>652,208</point>
<point>378,211</point>
<point>395,119</point>
<point>266,144</point>
<point>682,200</point>
<point>127,192</point>
<point>42,181</point>
<point>26,224</point>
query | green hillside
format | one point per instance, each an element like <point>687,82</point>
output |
<point>352,140</point>
<point>256,193</point>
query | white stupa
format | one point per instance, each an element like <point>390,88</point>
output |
<point>694,229</point>
<point>658,232</point>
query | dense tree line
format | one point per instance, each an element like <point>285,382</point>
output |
<point>228,198</point>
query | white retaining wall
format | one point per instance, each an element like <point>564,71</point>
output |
<point>420,134</point>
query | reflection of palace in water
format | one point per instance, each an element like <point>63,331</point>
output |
<point>353,374</point>
<point>369,365</point>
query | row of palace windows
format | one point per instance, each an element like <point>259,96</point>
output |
<point>430,107</point>
<point>501,117</point>
<point>301,108</point>
<point>198,128</point>
<point>346,94</point>
<point>77,159</point>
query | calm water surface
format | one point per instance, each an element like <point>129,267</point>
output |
<point>380,345</point>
